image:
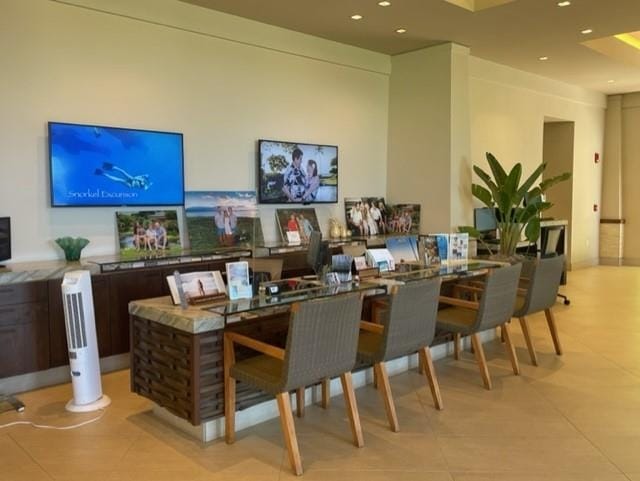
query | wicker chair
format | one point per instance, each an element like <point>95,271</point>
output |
<point>408,326</point>
<point>542,281</point>
<point>495,309</point>
<point>321,343</point>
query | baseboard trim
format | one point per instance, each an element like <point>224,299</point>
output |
<point>57,375</point>
<point>585,263</point>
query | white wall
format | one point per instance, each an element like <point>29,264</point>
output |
<point>508,108</point>
<point>164,65</point>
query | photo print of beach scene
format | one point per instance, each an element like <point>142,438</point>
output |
<point>366,216</point>
<point>303,220</point>
<point>148,232</point>
<point>403,219</point>
<point>222,219</point>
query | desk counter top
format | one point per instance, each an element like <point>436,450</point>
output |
<point>194,319</point>
<point>41,271</point>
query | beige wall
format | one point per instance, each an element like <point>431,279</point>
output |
<point>164,65</point>
<point>429,135</point>
<point>630,129</point>
<point>557,152</point>
<point>508,110</point>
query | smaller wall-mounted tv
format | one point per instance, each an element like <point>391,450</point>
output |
<point>5,238</point>
<point>297,173</point>
<point>110,166</point>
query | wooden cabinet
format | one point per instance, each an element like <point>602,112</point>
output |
<point>32,326</point>
<point>58,354</point>
<point>24,328</point>
<point>124,288</point>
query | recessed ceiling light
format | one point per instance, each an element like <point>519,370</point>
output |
<point>611,81</point>
<point>384,4</point>
<point>356,17</point>
<point>586,31</point>
<point>401,30</point>
<point>543,58</point>
<point>564,4</point>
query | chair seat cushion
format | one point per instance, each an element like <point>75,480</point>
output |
<point>457,319</point>
<point>369,347</point>
<point>262,372</point>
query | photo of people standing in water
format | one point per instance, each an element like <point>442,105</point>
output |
<point>222,219</point>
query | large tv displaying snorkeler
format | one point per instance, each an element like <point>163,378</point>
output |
<point>110,166</point>
<point>297,173</point>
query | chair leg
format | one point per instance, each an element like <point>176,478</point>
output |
<point>456,346</point>
<point>289,432</point>
<point>421,366</point>
<point>229,393</point>
<point>554,331</point>
<point>326,393</point>
<point>508,344</point>
<point>425,355</point>
<point>481,360</point>
<point>352,409</point>
<point>387,397</point>
<point>300,402</point>
<point>524,324</point>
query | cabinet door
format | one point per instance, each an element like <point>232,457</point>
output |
<point>57,332</point>
<point>24,346</point>
<point>11,341</point>
<point>124,288</point>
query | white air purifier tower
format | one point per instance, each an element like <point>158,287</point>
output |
<point>80,321</point>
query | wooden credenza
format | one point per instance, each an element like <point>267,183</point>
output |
<point>32,326</point>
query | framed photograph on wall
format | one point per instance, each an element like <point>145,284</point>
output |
<point>304,221</point>
<point>366,216</point>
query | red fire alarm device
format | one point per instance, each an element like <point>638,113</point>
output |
<point>595,207</point>
<point>596,157</point>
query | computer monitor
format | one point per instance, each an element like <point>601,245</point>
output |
<point>484,219</point>
<point>5,238</point>
<point>317,255</point>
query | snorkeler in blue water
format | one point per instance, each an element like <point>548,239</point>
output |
<point>133,181</point>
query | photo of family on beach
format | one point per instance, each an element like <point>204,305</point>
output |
<point>369,216</point>
<point>303,221</point>
<point>142,232</point>
<point>297,173</point>
<point>222,219</point>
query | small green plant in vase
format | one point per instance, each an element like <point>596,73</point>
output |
<point>517,206</point>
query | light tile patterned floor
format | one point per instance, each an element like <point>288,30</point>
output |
<point>573,418</point>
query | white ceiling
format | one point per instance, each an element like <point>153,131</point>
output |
<point>514,33</point>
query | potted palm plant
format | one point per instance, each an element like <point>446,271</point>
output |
<point>517,206</point>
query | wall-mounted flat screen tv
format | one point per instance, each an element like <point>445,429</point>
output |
<point>5,238</point>
<point>110,166</point>
<point>293,172</point>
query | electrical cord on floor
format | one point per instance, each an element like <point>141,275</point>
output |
<point>61,428</point>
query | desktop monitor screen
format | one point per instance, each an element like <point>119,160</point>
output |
<point>110,166</point>
<point>5,238</point>
<point>484,219</point>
